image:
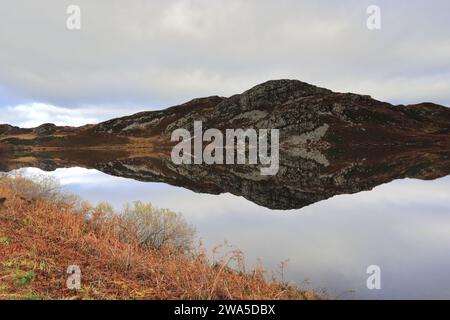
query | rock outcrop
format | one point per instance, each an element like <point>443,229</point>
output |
<point>299,110</point>
<point>330,143</point>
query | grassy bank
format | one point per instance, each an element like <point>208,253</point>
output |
<point>42,232</point>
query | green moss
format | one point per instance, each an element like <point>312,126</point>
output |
<point>23,279</point>
<point>5,241</point>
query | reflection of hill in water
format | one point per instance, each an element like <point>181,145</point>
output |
<point>299,182</point>
<point>331,143</point>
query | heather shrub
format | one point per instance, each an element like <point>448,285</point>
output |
<point>38,186</point>
<point>116,253</point>
<point>157,227</point>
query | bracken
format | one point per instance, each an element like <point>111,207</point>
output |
<point>45,238</point>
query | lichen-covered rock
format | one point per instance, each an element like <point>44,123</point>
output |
<point>330,143</point>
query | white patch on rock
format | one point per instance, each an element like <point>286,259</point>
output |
<point>312,136</point>
<point>254,115</point>
<point>299,146</point>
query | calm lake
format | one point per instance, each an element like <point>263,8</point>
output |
<point>402,226</point>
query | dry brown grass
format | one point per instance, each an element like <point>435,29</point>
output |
<point>40,239</point>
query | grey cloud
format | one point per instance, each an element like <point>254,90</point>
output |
<point>157,53</point>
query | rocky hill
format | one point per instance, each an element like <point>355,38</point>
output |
<point>294,107</point>
<point>331,143</point>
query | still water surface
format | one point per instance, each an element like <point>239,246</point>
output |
<point>402,226</point>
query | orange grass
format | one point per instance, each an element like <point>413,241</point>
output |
<point>39,240</point>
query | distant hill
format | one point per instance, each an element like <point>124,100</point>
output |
<point>330,143</point>
<point>292,106</point>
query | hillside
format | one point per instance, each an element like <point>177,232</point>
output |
<point>43,233</point>
<point>292,106</point>
<point>330,143</point>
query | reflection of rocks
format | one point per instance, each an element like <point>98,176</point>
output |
<point>331,143</point>
<point>298,183</point>
<point>308,145</point>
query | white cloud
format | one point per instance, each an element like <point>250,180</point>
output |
<point>34,114</point>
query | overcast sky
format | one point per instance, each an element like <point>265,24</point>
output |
<point>138,55</point>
